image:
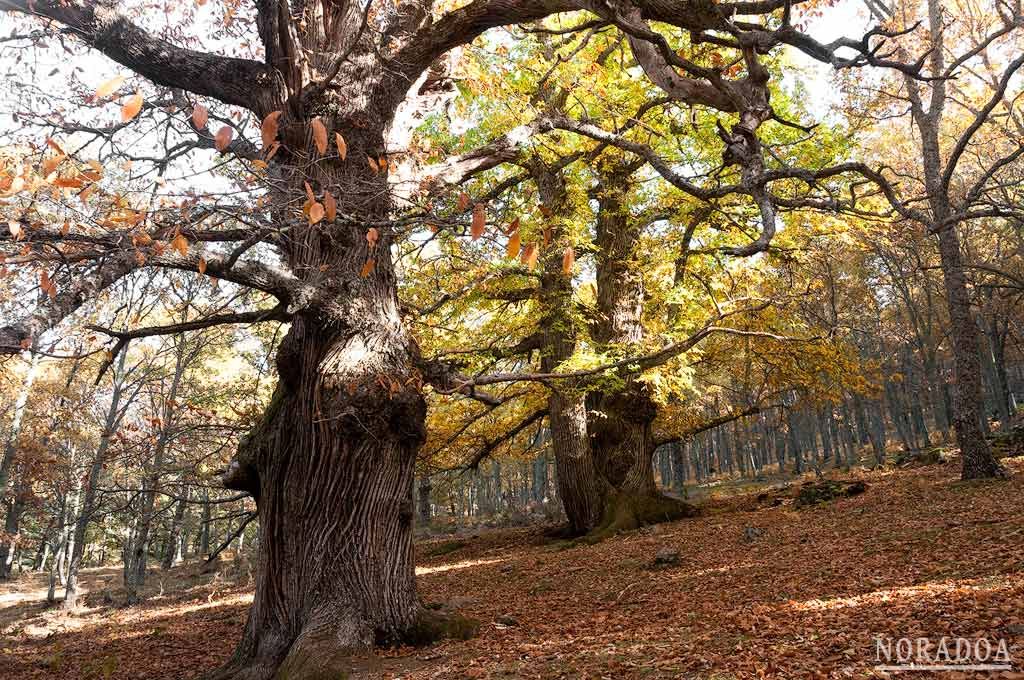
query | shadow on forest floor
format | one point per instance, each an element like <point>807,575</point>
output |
<point>760,590</point>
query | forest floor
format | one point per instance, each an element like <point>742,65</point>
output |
<point>919,554</point>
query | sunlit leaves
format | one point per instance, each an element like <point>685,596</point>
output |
<point>269,127</point>
<point>109,87</point>
<point>180,244</point>
<point>47,285</point>
<point>568,259</point>
<point>513,245</point>
<point>223,138</point>
<point>200,116</point>
<point>319,131</point>
<point>529,255</point>
<point>131,107</point>
<point>479,221</point>
<point>341,144</point>
<point>316,212</point>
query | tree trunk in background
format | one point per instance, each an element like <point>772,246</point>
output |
<point>204,528</point>
<point>138,554</point>
<point>679,467</point>
<point>173,552</point>
<point>580,486</point>
<point>82,519</point>
<point>978,461</point>
<point>20,404</point>
<point>621,422</point>
<point>8,548</point>
<point>424,500</point>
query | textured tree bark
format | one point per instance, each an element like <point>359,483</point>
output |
<point>620,422</point>
<point>173,553</point>
<point>331,464</point>
<point>978,461</point>
<point>580,487</point>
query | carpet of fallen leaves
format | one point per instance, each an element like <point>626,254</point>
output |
<point>918,555</point>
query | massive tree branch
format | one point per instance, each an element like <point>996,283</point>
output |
<point>102,26</point>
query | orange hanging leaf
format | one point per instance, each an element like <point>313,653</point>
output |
<point>371,237</point>
<point>200,116</point>
<point>512,247</point>
<point>309,191</point>
<point>330,206</point>
<point>568,260</point>
<point>479,221</point>
<point>131,107</point>
<point>180,244</point>
<point>50,164</point>
<point>342,146</point>
<point>319,134</point>
<point>16,231</point>
<point>373,164</point>
<point>547,236</point>
<point>223,138</point>
<point>316,212</point>
<point>268,128</point>
<point>109,87</point>
<point>367,268</point>
<point>529,256</point>
<point>47,284</point>
<point>463,201</point>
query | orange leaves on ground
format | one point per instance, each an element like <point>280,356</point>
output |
<point>200,116</point>
<point>131,107</point>
<point>319,134</point>
<point>269,127</point>
<point>479,221</point>
<point>109,87</point>
<point>342,146</point>
<point>568,260</point>
<point>223,138</point>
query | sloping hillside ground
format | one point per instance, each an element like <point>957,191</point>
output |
<point>760,589</point>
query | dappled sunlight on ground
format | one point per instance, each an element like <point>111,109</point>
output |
<point>921,592</point>
<point>918,554</point>
<point>423,571</point>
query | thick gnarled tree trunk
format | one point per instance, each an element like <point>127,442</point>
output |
<point>331,464</point>
<point>620,422</point>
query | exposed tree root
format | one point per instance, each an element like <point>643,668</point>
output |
<point>626,512</point>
